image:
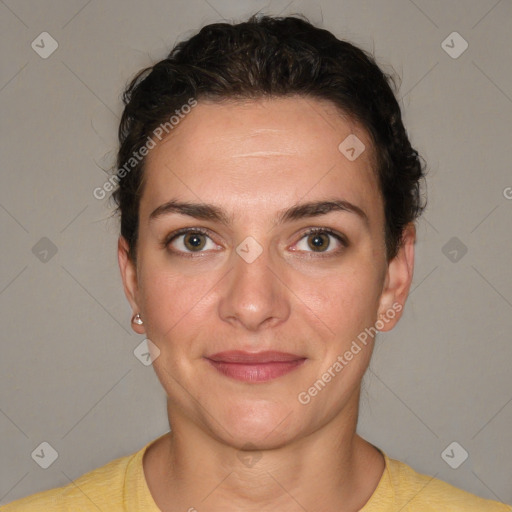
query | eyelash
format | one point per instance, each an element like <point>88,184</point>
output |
<point>183,231</point>
<point>340,238</point>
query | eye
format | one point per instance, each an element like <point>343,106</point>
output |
<point>190,240</point>
<point>320,240</point>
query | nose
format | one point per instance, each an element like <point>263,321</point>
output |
<point>254,296</point>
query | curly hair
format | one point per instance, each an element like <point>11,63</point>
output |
<point>269,56</point>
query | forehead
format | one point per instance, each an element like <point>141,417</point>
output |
<point>261,152</point>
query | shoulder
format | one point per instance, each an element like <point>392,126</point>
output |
<point>99,489</point>
<point>418,492</point>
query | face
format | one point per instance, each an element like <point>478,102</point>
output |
<point>261,260</point>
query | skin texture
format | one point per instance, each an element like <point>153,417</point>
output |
<point>254,159</point>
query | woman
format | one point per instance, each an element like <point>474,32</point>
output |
<point>268,193</point>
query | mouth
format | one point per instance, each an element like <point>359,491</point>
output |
<point>255,367</point>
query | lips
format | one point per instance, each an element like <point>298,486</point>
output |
<point>238,356</point>
<point>255,367</point>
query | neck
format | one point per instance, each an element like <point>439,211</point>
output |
<point>331,469</point>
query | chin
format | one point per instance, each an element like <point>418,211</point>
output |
<point>262,424</point>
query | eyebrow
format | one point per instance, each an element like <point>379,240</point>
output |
<point>205,211</point>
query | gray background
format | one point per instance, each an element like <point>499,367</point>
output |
<point>68,373</point>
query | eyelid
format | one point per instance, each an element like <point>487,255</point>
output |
<point>183,231</point>
<point>166,242</point>
<point>309,231</point>
<point>340,238</point>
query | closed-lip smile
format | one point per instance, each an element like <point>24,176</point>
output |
<point>255,366</point>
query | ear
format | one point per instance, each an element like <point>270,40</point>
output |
<point>398,281</point>
<point>129,277</point>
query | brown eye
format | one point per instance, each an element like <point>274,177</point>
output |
<point>187,241</point>
<point>322,240</point>
<point>319,242</point>
<point>194,241</point>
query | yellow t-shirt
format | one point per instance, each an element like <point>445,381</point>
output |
<point>120,486</point>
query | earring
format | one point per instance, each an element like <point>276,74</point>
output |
<point>136,319</point>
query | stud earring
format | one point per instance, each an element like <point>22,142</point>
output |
<point>137,319</point>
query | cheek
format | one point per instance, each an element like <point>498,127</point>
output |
<point>346,301</point>
<point>175,312</point>
<point>169,299</point>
